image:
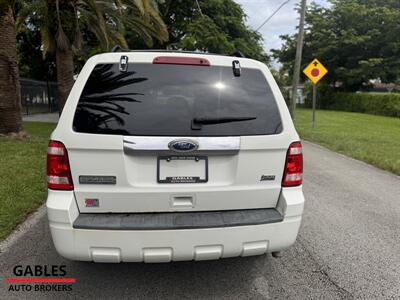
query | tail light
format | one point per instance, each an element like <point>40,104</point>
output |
<point>58,170</point>
<point>293,174</point>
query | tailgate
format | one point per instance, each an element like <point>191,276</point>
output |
<point>242,172</point>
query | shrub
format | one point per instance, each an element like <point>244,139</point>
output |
<point>385,104</point>
<point>377,104</point>
<point>324,95</point>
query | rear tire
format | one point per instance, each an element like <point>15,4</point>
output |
<point>277,254</point>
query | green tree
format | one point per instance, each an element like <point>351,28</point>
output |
<point>10,97</point>
<point>357,40</point>
<point>65,25</point>
<point>219,26</point>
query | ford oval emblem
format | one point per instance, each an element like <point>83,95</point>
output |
<point>183,146</point>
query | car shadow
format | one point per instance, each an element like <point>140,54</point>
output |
<point>225,278</point>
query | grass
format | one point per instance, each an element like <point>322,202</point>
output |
<point>370,138</point>
<point>22,175</point>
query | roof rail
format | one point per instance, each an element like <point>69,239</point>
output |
<point>118,48</point>
<point>237,54</point>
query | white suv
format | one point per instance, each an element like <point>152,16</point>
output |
<point>168,156</point>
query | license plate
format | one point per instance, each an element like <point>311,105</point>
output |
<point>182,169</point>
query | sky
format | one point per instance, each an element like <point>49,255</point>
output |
<point>284,22</point>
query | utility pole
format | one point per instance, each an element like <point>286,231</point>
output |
<point>297,63</point>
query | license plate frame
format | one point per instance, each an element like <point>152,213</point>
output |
<point>182,179</point>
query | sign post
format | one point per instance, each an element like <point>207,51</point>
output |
<point>314,102</point>
<point>315,71</point>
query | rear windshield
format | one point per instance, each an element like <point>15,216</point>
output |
<point>163,100</point>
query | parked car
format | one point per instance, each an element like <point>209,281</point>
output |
<point>170,156</point>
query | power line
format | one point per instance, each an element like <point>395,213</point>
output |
<point>273,14</point>
<point>198,6</point>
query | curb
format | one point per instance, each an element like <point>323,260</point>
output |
<point>22,228</point>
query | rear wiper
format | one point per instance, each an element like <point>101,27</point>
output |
<point>198,121</point>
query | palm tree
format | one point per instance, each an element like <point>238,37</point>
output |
<point>10,97</point>
<point>63,21</point>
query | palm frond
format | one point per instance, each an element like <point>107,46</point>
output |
<point>147,25</point>
<point>94,14</point>
<point>107,20</point>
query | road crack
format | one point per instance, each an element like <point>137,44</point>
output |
<point>347,294</point>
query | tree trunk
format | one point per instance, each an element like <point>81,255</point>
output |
<point>65,75</point>
<point>10,95</point>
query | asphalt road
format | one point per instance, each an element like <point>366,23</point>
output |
<point>348,247</point>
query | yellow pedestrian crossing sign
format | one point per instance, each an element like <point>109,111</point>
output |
<point>315,71</point>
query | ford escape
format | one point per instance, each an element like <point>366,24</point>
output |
<point>168,156</point>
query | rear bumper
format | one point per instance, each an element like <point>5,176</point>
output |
<point>178,220</point>
<point>170,244</point>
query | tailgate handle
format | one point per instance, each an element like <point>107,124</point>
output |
<point>184,201</point>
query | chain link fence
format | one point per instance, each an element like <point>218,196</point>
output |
<point>38,96</point>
